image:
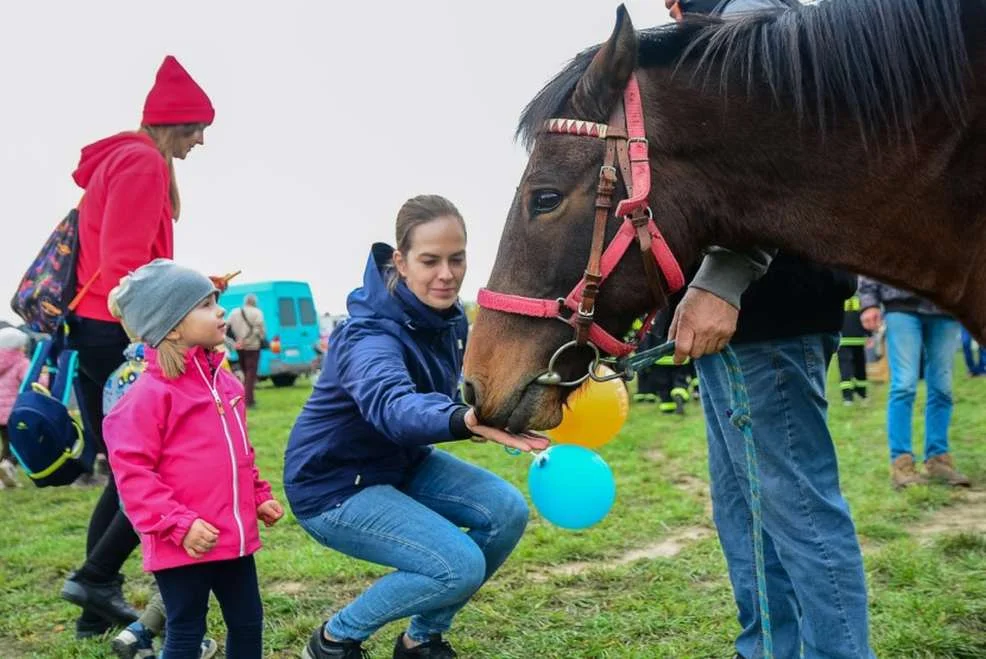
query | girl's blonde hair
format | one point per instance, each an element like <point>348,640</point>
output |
<point>166,138</point>
<point>170,354</point>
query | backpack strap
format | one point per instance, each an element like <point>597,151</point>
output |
<point>68,364</point>
<point>41,353</point>
<point>92,280</point>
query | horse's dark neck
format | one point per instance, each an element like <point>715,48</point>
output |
<point>915,220</point>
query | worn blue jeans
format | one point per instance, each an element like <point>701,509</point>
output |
<point>815,583</point>
<point>416,529</point>
<point>976,363</point>
<point>908,336</point>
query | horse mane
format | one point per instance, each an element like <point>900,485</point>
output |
<point>877,63</point>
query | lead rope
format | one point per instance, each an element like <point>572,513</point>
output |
<point>739,415</point>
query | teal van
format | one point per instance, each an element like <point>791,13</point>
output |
<point>292,327</point>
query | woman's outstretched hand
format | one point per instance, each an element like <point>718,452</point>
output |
<point>526,441</point>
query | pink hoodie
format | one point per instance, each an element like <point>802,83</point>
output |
<point>14,366</point>
<point>179,451</point>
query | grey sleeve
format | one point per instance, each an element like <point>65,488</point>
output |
<point>747,6</point>
<point>727,274</point>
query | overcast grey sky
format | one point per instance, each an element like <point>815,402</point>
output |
<point>328,116</point>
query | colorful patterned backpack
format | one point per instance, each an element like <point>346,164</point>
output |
<point>47,292</point>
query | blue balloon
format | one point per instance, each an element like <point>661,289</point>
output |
<point>571,486</point>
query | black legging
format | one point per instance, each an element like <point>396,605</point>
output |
<point>111,538</point>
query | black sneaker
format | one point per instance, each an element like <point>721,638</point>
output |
<point>320,647</point>
<point>435,648</point>
<point>103,599</point>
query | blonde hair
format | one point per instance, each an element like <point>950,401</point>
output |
<point>166,137</point>
<point>170,354</point>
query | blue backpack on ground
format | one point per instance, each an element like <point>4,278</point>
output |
<point>46,439</point>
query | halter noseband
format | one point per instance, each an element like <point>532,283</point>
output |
<point>626,149</point>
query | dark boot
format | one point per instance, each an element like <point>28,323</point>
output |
<point>102,598</point>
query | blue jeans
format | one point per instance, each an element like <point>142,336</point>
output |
<point>416,529</point>
<point>185,591</point>
<point>975,363</point>
<point>815,583</point>
<point>908,334</point>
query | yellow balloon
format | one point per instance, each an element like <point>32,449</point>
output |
<point>594,413</point>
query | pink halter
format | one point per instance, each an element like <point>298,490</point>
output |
<point>627,149</point>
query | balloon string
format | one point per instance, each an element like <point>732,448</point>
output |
<point>536,455</point>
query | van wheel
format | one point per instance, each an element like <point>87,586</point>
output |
<point>283,380</point>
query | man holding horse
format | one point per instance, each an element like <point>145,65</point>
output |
<point>783,324</point>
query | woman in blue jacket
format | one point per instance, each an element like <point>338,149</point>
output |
<point>359,471</point>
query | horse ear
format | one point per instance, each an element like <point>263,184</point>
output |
<point>603,82</point>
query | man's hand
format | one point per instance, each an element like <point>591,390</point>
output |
<point>702,325</point>
<point>871,319</point>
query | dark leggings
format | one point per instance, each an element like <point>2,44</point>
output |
<point>111,538</point>
<point>186,602</point>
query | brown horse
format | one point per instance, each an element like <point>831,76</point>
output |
<point>851,132</point>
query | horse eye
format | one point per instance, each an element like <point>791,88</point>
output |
<point>545,201</point>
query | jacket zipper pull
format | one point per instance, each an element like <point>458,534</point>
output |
<point>219,406</point>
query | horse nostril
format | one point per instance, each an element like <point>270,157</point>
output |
<point>469,393</point>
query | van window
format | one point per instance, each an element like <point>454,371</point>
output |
<point>307,307</point>
<point>286,313</point>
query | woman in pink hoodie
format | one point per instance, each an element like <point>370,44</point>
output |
<point>14,365</point>
<point>183,463</point>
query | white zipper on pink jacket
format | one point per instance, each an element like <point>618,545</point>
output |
<point>232,449</point>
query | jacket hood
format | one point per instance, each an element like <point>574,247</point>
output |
<point>373,300</point>
<point>96,153</point>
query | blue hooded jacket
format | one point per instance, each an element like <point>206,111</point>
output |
<point>389,387</point>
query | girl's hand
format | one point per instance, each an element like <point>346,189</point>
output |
<point>269,512</point>
<point>200,539</point>
<point>526,441</point>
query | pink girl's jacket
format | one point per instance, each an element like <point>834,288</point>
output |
<point>14,366</point>
<point>179,451</point>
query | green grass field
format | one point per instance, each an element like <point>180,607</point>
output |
<point>649,581</point>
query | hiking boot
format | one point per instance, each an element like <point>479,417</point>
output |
<point>434,648</point>
<point>942,470</point>
<point>103,599</point>
<point>320,647</point>
<point>134,641</point>
<point>903,474</point>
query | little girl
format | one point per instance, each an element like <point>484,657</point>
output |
<point>183,463</point>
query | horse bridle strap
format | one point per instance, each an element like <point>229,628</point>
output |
<point>626,149</point>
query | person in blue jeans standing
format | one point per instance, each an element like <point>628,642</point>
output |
<point>975,357</point>
<point>915,327</point>
<point>784,337</point>
<point>359,473</point>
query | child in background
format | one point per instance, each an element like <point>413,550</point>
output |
<point>183,462</point>
<point>14,366</point>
